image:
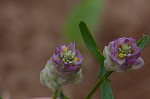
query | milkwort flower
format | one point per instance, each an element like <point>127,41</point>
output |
<point>63,67</point>
<point>122,54</point>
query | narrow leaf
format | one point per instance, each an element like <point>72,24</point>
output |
<point>90,43</point>
<point>106,92</point>
<point>143,42</point>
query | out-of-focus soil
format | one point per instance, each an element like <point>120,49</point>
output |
<point>31,29</point>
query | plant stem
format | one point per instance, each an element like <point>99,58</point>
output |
<point>107,74</point>
<point>55,94</point>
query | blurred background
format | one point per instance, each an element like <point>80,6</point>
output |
<point>30,30</point>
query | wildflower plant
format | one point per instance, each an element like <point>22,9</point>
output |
<point>104,72</point>
<point>64,67</point>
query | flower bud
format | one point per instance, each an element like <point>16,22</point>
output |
<point>122,54</point>
<point>63,67</point>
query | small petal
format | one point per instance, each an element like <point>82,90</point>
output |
<point>118,60</point>
<point>109,65</point>
<point>78,60</point>
<point>139,63</point>
<point>105,52</point>
<point>71,46</point>
<point>57,51</point>
<point>62,48</point>
<point>56,59</point>
<point>71,68</point>
<point>136,51</point>
<point>113,48</point>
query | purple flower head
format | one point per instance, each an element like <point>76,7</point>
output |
<point>122,54</point>
<point>63,67</point>
<point>67,58</point>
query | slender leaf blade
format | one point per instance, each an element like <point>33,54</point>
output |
<point>106,91</point>
<point>143,42</point>
<point>90,43</point>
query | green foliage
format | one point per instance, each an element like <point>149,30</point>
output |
<point>143,42</point>
<point>91,45</point>
<point>86,10</point>
<point>106,92</point>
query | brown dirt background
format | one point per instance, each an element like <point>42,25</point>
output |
<point>31,29</point>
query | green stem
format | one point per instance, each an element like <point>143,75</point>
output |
<point>107,74</point>
<point>55,94</point>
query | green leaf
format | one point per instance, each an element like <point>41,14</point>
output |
<point>106,92</point>
<point>143,42</point>
<point>91,45</point>
<point>86,10</point>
